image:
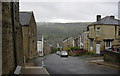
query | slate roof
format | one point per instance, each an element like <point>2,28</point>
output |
<point>107,21</point>
<point>25,17</point>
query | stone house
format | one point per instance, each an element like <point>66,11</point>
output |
<point>29,30</point>
<point>103,33</point>
<point>12,48</point>
<point>77,42</point>
<point>47,48</point>
<point>69,42</point>
<point>81,40</point>
<point>85,39</point>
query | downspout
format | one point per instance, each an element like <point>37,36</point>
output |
<point>14,32</point>
<point>1,38</point>
<point>28,42</point>
<point>115,31</point>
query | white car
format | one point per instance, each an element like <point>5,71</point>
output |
<point>64,54</point>
<point>58,53</point>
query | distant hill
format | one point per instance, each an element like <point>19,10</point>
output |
<point>55,32</point>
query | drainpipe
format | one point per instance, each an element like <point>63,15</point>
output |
<point>14,32</point>
<point>115,31</point>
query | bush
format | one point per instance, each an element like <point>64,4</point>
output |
<point>72,48</point>
<point>91,53</point>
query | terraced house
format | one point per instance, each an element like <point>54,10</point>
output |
<point>85,39</point>
<point>77,42</point>
<point>47,48</point>
<point>29,30</point>
<point>67,43</point>
<point>103,34</point>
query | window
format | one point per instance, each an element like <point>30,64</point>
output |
<point>107,43</point>
<point>98,31</point>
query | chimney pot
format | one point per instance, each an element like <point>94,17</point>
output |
<point>98,17</point>
<point>113,17</point>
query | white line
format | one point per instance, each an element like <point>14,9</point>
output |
<point>42,63</point>
<point>44,68</point>
<point>46,71</point>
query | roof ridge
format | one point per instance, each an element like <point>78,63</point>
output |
<point>107,20</point>
<point>104,19</point>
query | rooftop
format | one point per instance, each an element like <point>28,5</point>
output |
<point>25,17</point>
<point>107,21</point>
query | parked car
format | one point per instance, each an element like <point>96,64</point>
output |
<point>116,48</point>
<point>64,54</point>
<point>58,53</point>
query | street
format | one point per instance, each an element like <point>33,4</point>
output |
<point>71,65</point>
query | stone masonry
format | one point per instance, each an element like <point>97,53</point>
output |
<point>28,23</point>
<point>12,48</point>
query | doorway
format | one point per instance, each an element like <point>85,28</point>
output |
<point>98,48</point>
<point>107,44</point>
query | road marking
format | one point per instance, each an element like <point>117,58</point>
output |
<point>44,68</point>
<point>42,63</point>
<point>46,71</point>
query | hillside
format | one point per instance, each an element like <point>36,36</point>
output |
<point>56,32</point>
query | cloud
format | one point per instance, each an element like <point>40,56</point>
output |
<point>69,0</point>
<point>70,11</point>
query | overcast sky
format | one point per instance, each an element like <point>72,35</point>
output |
<point>69,11</point>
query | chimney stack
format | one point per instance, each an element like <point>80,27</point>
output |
<point>98,17</point>
<point>113,17</point>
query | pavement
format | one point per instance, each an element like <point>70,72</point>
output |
<point>35,70</point>
<point>31,69</point>
<point>107,64</point>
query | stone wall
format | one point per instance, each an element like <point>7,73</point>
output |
<point>111,56</point>
<point>33,37</point>
<point>25,42</point>
<point>12,48</point>
<point>18,36</point>
<point>46,48</point>
<point>77,42</point>
<point>8,59</point>
<point>68,43</point>
<point>85,40</point>
<point>29,34</point>
<point>0,38</point>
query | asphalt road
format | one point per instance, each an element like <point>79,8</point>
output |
<point>71,65</point>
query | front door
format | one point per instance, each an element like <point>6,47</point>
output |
<point>97,48</point>
<point>91,48</point>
